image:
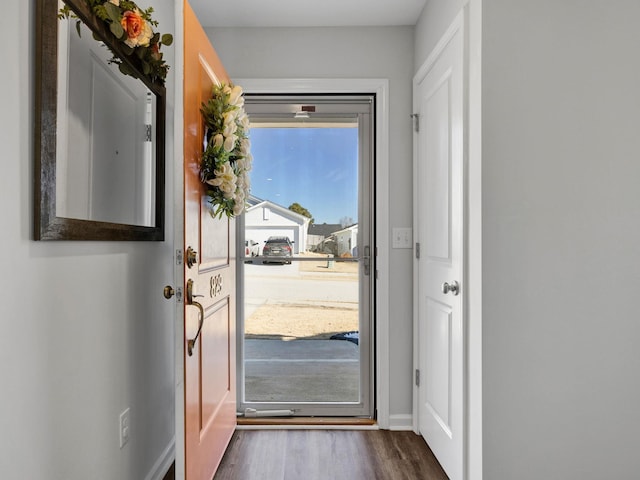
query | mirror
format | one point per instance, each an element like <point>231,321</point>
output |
<point>99,134</point>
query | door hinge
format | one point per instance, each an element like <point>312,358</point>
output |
<point>416,121</point>
<point>179,258</point>
<point>417,250</point>
<point>417,377</point>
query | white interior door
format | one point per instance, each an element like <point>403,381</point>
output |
<point>439,102</point>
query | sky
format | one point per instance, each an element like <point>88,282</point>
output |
<point>315,167</point>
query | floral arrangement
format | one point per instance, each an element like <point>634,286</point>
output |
<point>133,28</point>
<point>226,160</point>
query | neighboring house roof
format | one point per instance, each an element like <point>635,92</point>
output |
<point>256,203</point>
<point>324,229</point>
<point>253,200</point>
<point>347,229</point>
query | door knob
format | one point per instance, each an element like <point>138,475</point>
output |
<point>453,287</point>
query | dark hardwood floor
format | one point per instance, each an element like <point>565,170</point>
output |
<point>328,455</point>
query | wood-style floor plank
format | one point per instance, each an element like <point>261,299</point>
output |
<point>328,455</point>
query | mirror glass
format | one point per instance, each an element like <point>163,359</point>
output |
<point>105,135</point>
<point>99,172</point>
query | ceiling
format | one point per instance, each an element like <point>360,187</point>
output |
<point>306,13</point>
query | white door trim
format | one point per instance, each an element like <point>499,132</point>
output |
<point>470,20</point>
<point>473,226</point>
<point>178,237</point>
<point>381,88</point>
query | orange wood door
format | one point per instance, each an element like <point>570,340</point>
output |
<point>209,372</point>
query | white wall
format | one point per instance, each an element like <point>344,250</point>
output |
<point>380,52</point>
<point>561,206</point>
<point>433,22</point>
<point>85,332</point>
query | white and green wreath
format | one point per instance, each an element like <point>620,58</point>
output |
<point>226,160</point>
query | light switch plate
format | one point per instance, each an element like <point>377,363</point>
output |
<point>402,237</point>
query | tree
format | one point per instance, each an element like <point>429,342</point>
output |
<point>346,222</point>
<point>296,207</point>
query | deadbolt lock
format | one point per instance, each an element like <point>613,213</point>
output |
<point>192,257</point>
<point>168,292</point>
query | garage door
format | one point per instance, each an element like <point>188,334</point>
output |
<point>261,235</point>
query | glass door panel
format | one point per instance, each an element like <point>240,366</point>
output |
<point>305,277</point>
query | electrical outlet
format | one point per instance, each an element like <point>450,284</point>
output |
<point>402,238</point>
<point>125,427</point>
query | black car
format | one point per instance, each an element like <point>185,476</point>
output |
<point>280,247</point>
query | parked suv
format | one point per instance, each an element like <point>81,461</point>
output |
<point>280,247</point>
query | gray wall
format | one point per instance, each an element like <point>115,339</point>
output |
<point>85,332</point>
<point>381,52</point>
<point>561,205</point>
<point>434,21</point>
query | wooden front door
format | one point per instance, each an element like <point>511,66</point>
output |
<point>209,273</point>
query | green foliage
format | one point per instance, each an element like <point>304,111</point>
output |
<point>226,160</point>
<point>148,55</point>
<point>116,29</point>
<point>112,13</point>
<point>296,207</point>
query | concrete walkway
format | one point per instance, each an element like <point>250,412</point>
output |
<point>301,371</point>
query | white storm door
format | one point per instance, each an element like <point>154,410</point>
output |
<point>439,102</point>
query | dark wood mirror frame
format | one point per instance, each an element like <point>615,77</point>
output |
<point>47,225</point>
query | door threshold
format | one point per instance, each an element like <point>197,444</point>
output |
<point>308,423</point>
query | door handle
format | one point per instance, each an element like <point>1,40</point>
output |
<point>190,295</point>
<point>454,287</point>
<point>367,260</point>
<point>192,342</point>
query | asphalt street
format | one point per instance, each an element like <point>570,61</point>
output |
<point>276,283</point>
<point>303,370</point>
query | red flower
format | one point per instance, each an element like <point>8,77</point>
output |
<point>139,32</point>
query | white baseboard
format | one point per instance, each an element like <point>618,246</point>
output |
<point>401,422</point>
<point>307,427</point>
<point>163,463</point>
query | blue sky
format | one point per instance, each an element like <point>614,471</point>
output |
<point>316,167</point>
